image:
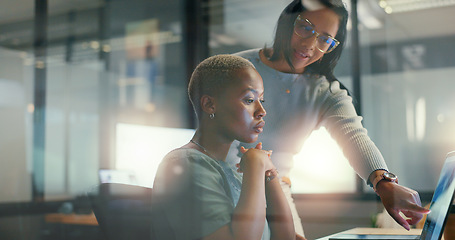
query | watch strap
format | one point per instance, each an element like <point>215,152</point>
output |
<point>381,177</point>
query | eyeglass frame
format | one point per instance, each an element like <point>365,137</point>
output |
<point>314,33</point>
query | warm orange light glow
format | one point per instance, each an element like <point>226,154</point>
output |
<point>321,167</point>
<point>30,107</point>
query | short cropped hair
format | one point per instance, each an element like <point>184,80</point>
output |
<point>213,75</point>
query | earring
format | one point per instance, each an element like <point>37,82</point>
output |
<point>212,115</point>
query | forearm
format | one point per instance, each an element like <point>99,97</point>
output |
<point>279,215</point>
<point>345,126</point>
<point>248,219</point>
<point>361,152</point>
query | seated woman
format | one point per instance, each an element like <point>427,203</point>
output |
<point>201,196</point>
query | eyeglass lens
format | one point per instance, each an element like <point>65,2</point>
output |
<point>305,30</point>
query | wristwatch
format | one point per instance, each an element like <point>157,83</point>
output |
<point>388,176</point>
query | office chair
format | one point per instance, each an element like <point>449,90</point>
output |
<point>127,212</point>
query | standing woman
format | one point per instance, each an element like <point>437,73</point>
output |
<point>200,195</point>
<point>304,95</point>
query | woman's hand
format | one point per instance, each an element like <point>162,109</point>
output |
<point>397,198</point>
<point>259,154</point>
<point>299,237</point>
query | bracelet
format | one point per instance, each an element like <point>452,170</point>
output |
<point>271,175</point>
<point>269,178</point>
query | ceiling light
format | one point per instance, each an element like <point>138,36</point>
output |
<point>397,6</point>
<point>368,17</point>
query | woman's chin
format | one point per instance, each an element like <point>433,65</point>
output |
<point>250,139</point>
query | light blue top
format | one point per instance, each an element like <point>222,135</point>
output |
<point>200,193</point>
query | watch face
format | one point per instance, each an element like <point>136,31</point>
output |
<point>390,175</point>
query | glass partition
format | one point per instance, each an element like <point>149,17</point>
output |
<point>117,63</point>
<point>407,91</point>
<point>105,63</point>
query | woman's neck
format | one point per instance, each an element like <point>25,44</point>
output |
<point>210,144</point>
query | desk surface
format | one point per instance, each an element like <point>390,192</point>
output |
<point>77,219</point>
<point>385,231</point>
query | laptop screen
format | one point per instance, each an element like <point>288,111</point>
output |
<point>441,202</point>
<point>117,176</point>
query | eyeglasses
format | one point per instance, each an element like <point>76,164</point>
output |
<point>305,29</point>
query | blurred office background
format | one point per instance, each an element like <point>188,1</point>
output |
<point>94,91</point>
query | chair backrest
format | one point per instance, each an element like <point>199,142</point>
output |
<point>124,211</point>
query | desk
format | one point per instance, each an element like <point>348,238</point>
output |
<point>72,227</point>
<point>388,231</point>
<point>76,219</point>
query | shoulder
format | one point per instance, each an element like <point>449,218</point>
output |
<point>317,81</point>
<point>179,156</point>
<point>332,98</point>
<point>324,86</point>
<point>182,168</point>
<point>325,94</point>
<point>187,158</point>
<point>251,54</point>
<point>179,153</point>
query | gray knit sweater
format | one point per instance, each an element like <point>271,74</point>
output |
<point>311,103</point>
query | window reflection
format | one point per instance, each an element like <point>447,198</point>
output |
<point>141,148</point>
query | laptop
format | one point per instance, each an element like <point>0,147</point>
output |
<point>440,208</point>
<point>117,176</point>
